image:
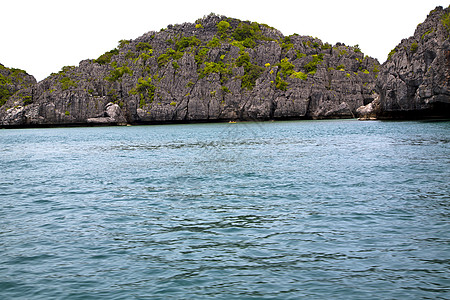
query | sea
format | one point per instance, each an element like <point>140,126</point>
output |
<point>326,209</point>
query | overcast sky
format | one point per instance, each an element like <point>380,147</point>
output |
<point>42,36</point>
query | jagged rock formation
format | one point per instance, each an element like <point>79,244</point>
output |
<point>215,69</point>
<point>414,81</point>
<point>13,80</point>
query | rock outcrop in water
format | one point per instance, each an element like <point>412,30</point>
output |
<point>414,81</point>
<point>215,69</point>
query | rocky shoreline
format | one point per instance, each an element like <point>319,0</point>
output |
<point>220,69</point>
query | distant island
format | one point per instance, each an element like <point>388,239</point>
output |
<point>221,69</point>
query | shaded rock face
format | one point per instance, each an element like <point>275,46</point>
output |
<point>215,69</point>
<point>414,81</point>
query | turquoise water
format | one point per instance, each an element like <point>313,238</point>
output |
<point>278,210</point>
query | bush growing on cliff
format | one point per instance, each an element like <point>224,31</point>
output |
<point>393,51</point>
<point>299,75</point>
<point>186,42</point>
<point>220,68</point>
<point>222,28</point>
<point>118,72</point>
<point>67,83</point>
<point>200,57</point>
<point>214,43</point>
<point>311,67</point>
<point>287,68</point>
<point>280,83</point>
<point>145,89</point>
<point>143,47</point>
<point>170,54</point>
<point>287,44</point>
<point>123,43</point>
<point>414,47</point>
<point>106,57</point>
<point>4,95</point>
<point>251,71</point>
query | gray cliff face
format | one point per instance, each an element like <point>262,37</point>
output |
<point>216,69</point>
<point>414,81</point>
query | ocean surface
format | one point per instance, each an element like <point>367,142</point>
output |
<point>337,209</point>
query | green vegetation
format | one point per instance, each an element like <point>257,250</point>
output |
<point>311,67</point>
<point>222,28</point>
<point>198,26</point>
<point>220,68</point>
<point>122,43</point>
<point>340,68</point>
<point>446,21</point>
<point>67,83</point>
<point>146,55</point>
<point>393,51</point>
<point>214,43</point>
<point>342,52</point>
<point>27,100</point>
<point>106,57</point>
<point>200,57</point>
<point>145,89</point>
<point>173,103</point>
<point>280,83</point>
<point>286,43</point>
<point>427,33</point>
<point>326,46</point>
<point>287,68</point>
<point>118,72</point>
<point>300,55</point>
<point>245,31</point>
<point>143,47</point>
<point>414,47</point>
<point>4,94</point>
<point>251,71</point>
<point>226,89</point>
<point>186,42</point>
<point>299,75</point>
<point>356,49</point>
<point>170,54</point>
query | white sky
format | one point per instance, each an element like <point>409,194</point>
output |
<point>42,36</point>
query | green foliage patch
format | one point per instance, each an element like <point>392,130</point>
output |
<point>393,51</point>
<point>168,55</point>
<point>143,47</point>
<point>222,28</point>
<point>118,72</point>
<point>311,67</point>
<point>286,67</point>
<point>251,71</point>
<point>186,42</point>
<point>67,83</point>
<point>145,89</point>
<point>4,95</point>
<point>106,57</point>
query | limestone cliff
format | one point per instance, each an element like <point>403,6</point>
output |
<point>215,69</point>
<point>414,81</point>
<point>13,80</point>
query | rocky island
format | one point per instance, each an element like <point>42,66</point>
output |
<point>220,69</point>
